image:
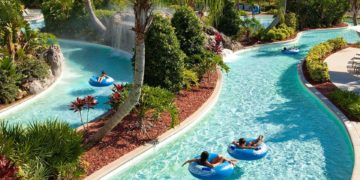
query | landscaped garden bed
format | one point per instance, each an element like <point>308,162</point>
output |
<point>126,136</point>
<point>317,74</point>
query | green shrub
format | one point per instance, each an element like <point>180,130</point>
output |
<point>190,78</point>
<point>32,69</point>
<point>318,70</point>
<point>8,80</point>
<point>164,58</point>
<point>250,28</point>
<point>204,63</point>
<point>51,149</point>
<point>66,14</point>
<point>229,21</point>
<point>189,31</point>
<point>338,43</point>
<point>157,100</point>
<point>282,32</point>
<point>291,20</point>
<point>349,101</point>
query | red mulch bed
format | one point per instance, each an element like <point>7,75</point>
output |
<point>326,88</point>
<point>127,136</point>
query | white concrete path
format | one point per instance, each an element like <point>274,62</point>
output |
<point>341,70</point>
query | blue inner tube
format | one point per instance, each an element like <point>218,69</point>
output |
<point>248,154</point>
<point>291,51</point>
<point>107,81</point>
<point>202,172</point>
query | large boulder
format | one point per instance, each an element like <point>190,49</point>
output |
<point>55,58</point>
<point>227,42</point>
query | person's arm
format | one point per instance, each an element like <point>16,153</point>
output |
<point>207,164</point>
<point>189,161</point>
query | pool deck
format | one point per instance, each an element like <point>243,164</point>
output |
<point>143,151</point>
<point>353,128</point>
<point>340,70</point>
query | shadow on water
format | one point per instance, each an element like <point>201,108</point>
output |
<point>82,92</point>
<point>238,172</point>
<point>297,126</point>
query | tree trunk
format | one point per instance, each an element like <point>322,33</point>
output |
<point>142,10</point>
<point>354,18</point>
<point>355,9</point>
<point>97,23</point>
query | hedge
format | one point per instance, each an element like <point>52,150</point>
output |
<point>316,68</point>
<point>348,101</point>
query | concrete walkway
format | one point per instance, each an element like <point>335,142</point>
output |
<point>342,75</point>
<point>341,69</point>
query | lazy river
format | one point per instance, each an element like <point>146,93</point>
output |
<point>262,94</point>
<point>82,60</point>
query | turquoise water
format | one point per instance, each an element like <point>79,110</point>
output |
<point>37,24</point>
<point>262,94</point>
<point>82,60</point>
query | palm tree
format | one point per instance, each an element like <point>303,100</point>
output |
<point>143,11</point>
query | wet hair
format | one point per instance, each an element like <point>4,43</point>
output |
<point>204,157</point>
<point>242,141</point>
<point>103,72</point>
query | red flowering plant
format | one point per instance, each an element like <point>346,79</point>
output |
<point>8,169</point>
<point>88,102</point>
<point>215,45</point>
<point>120,93</point>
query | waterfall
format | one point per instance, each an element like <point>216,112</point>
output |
<point>122,37</point>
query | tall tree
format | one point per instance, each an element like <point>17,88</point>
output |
<point>355,7</point>
<point>143,17</point>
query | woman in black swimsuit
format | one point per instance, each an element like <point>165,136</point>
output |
<point>204,160</point>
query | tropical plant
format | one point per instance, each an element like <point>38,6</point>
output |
<point>190,79</point>
<point>7,168</point>
<point>229,21</point>
<point>41,150</point>
<point>80,104</point>
<point>120,93</point>
<point>8,80</point>
<point>215,44</point>
<point>154,101</point>
<point>204,63</point>
<point>142,10</point>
